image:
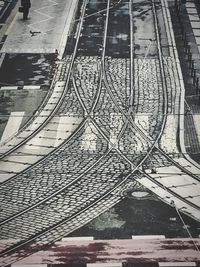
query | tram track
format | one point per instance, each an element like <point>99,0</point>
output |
<point>111,144</point>
<point>20,247</point>
<point>6,183</point>
<point>14,150</point>
<point>23,141</point>
<point>59,103</point>
<point>55,110</point>
<point>156,141</point>
<point>104,136</point>
<point>81,126</point>
<point>26,128</point>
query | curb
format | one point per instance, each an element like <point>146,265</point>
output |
<point>66,31</point>
<point>9,21</point>
<point>182,87</point>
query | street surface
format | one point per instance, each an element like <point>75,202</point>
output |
<point>110,127</point>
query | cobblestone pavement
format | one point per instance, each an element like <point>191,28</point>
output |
<point>104,145</point>
<point>118,75</point>
<point>149,93</point>
<point>50,137</point>
<point>86,77</point>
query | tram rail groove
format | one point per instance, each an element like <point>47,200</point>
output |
<point>46,98</point>
<point>33,117</point>
<point>148,155</point>
<point>57,149</point>
<point>60,100</point>
<point>41,201</point>
<point>15,148</point>
<point>155,145</point>
<point>103,55</point>
<point>28,208</point>
<point>56,109</point>
<point>20,246</point>
<point>70,75</point>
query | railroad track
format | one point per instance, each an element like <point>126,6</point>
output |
<point>51,113</point>
<point>101,176</point>
<point>11,249</point>
<point>43,122</point>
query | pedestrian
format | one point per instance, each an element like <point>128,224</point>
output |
<point>26,4</point>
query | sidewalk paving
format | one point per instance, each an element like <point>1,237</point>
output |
<point>190,23</point>
<point>49,20</point>
<point>27,49</point>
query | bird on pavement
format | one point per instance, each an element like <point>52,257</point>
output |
<point>33,33</point>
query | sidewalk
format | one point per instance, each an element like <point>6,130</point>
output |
<point>49,21</point>
<point>186,26</point>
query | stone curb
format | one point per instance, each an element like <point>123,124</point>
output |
<point>182,87</point>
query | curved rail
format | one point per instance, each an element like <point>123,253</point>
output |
<point>56,108</point>
<point>109,192</point>
<point>6,251</point>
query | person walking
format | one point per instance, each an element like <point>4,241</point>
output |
<point>26,4</point>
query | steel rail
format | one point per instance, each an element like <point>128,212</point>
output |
<point>167,189</point>
<point>47,97</point>
<point>155,143</point>
<point>66,89</point>
<point>56,193</point>
<point>131,56</point>
<point>57,149</point>
<point>93,204</point>
<point>32,117</point>
<point>22,244</point>
<point>56,108</point>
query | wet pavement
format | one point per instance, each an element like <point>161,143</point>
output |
<point>142,216</point>
<point>26,69</point>
<point>91,40</point>
<point>118,41</point>
<point>17,71</point>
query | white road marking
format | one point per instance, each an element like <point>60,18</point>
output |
<point>148,236</point>
<point>9,87</point>
<point>31,87</point>
<point>67,124</point>
<point>13,125</point>
<point>174,264</point>
<point>77,238</point>
<point>117,264</point>
<point>116,123</point>
<point>89,138</point>
<point>168,140</point>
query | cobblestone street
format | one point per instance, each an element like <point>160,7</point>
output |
<point>110,128</point>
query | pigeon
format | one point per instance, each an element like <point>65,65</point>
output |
<point>34,33</point>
